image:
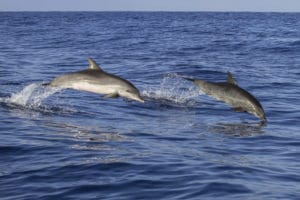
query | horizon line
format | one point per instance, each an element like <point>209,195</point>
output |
<point>219,11</point>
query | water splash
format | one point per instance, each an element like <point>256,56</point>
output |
<point>174,90</point>
<point>29,102</point>
<point>32,95</point>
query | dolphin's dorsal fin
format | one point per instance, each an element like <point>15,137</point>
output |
<point>93,64</point>
<point>230,79</point>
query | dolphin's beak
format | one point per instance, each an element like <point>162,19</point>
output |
<point>135,98</point>
<point>140,100</point>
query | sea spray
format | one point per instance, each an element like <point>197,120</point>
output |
<point>32,95</point>
<point>174,90</point>
<point>31,100</point>
<point>22,97</point>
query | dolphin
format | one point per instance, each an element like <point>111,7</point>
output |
<point>230,93</point>
<point>95,80</point>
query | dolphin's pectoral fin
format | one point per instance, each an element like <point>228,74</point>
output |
<point>239,109</point>
<point>112,95</point>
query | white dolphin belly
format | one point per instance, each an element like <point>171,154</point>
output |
<point>99,89</point>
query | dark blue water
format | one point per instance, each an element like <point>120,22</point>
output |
<point>179,144</point>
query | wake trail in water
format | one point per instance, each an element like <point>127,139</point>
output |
<point>173,90</point>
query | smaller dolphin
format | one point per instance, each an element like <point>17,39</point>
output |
<point>95,80</point>
<point>230,93</point>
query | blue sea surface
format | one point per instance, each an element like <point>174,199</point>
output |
<point>180,143</point>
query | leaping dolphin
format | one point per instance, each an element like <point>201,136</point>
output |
<point>230,93</point>
<point>95,80</point>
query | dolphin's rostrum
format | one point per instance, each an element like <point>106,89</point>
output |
<point>95,80</point>
<point>230,93</point>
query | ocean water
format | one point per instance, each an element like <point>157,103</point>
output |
<point>179,144</point>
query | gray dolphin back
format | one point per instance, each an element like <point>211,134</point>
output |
<point>230,93</point>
